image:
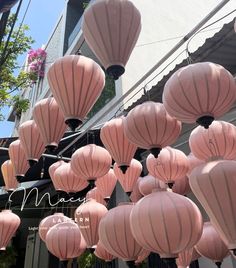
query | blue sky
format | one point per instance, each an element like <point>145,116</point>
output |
<point>41,18</point>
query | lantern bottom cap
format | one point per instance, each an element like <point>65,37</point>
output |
<point>91,183</point>
<point>155,151</point>
<point>218,263</point>
<point>73,123</point>
<point>20,178</point>
<point>106,199</point>
<point>130,264</point>
<point>123,168</point>
<point>32,162</point>
<point>205,121</point>
<point>51,148</point>
<point>115,71</point>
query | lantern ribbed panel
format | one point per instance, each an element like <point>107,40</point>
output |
<point>171,165</point>
<point>50,121</point>
<point>8,174</point>
<point>197,90</point>
<point>102,253</point>
<point>184,258</point>
<point>66,180</point>
<point>136,195</point>
<point>218,141</point>
<point>148,183</point>
<point>115,233</point>
<point>96,195</point>
<point>31,140</point>
<point>193,162</point>
<point>214,185</point>
<point>47,223</point>
<point>106,184</point>
<point>112,43</point>
<point>142,256</point>
<point>9,223</point>
<point>182,186</point>
<point>88,216</point>
<point>115,141</point>
<point>210,245</point>
<point>148,125</point>
<point>51,172</point>
<point>76,83</point>
<point>91,162</point>
<point>18,158</point>
<point>166,223</point>
<point>63,240</point>
<point>129,179</point>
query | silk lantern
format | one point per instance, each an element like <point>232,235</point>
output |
<point>66,180</point>
<point>199,92</point>
<point>91,162</point>
<point>31,141</point>
<point>136,194</point>
<point>106,184</point>
<point>148,183</point>
<point>76,83</point>
<point>193,162</point>
<point>211,246</point>
<point>96,195</point>
<point>182,186</point>
<point>166,223</point>
<point>216,142</point>
<point>51,172</point>
<point>18,159</point>
<point>8,174</point>
<point>112,43</point>
<point>130,177</point>
<point>171,165</point>
<point>184,258</point>
<point>9,223</point>
<point>50,122</point>
<point>115,234</point>
<point>149,126</point>
<point>102,253</point>
<point>114,139</point>
<point>88,215</point>
<point>214,186</point>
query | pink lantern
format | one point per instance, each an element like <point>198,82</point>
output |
<point>193,162</point>
<point>66,180</point>
<point>148,183</point>
<point>88,215</point>
<point>136,195</point>
<point>76,83</point>
<point>171,165</point>
<point>8,174</point>
<point>96,195</point>
<point>9,223</point>
<point>182,186</point>
<point>63,240</point>
<point>115,233</point>
<point>47,223</point>
<point>18,159</point>
<point>166,223</point>
<point>106,184</point>
<point>149,126</point>
<point>211,246</point>
<point>112,43</point>
<point>51,172</point>
<point>199,92</point>
<point>50,122</point>
<point>121,149</point>
<point>184,258</point>
<point>31,141</point>
<point>214,186</point>
<point>129,179</point>
<point>102,253</point>
<point>91,162</point>
<point>216,142</point>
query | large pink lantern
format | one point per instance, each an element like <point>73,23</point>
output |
<point>106,184</point>
<point>211,246</point>
<point>50,122</point>
<point>115,233</point>
<point>18,159</point>
<point>51,172</point>
<point>216,142</point>
<point>199,92</point>
<point>9,177</point>
<point>91,162</point>
<point>66,180</point>
<point>111,42</point>
<point>102,253</point>
<point>171,165</point>
<point>31,141</point>
<point>96,195</point>
<point>193,162</point>
<point>63,240</point>
<point>136,195</point>
<point>166,223</point>
<point>76,83</point>
<point>184,258</point>
<point>9,223</point>
<point>129,179</point>
<point>113,137</point>
<point>88,215</point>
<point>149,126</point>
<point>148,183</point>
<point>214,185</point>
<point>47,223</point>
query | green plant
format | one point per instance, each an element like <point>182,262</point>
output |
<point>8,257</point>
<point>86,260</point>
<point>20,105</point>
